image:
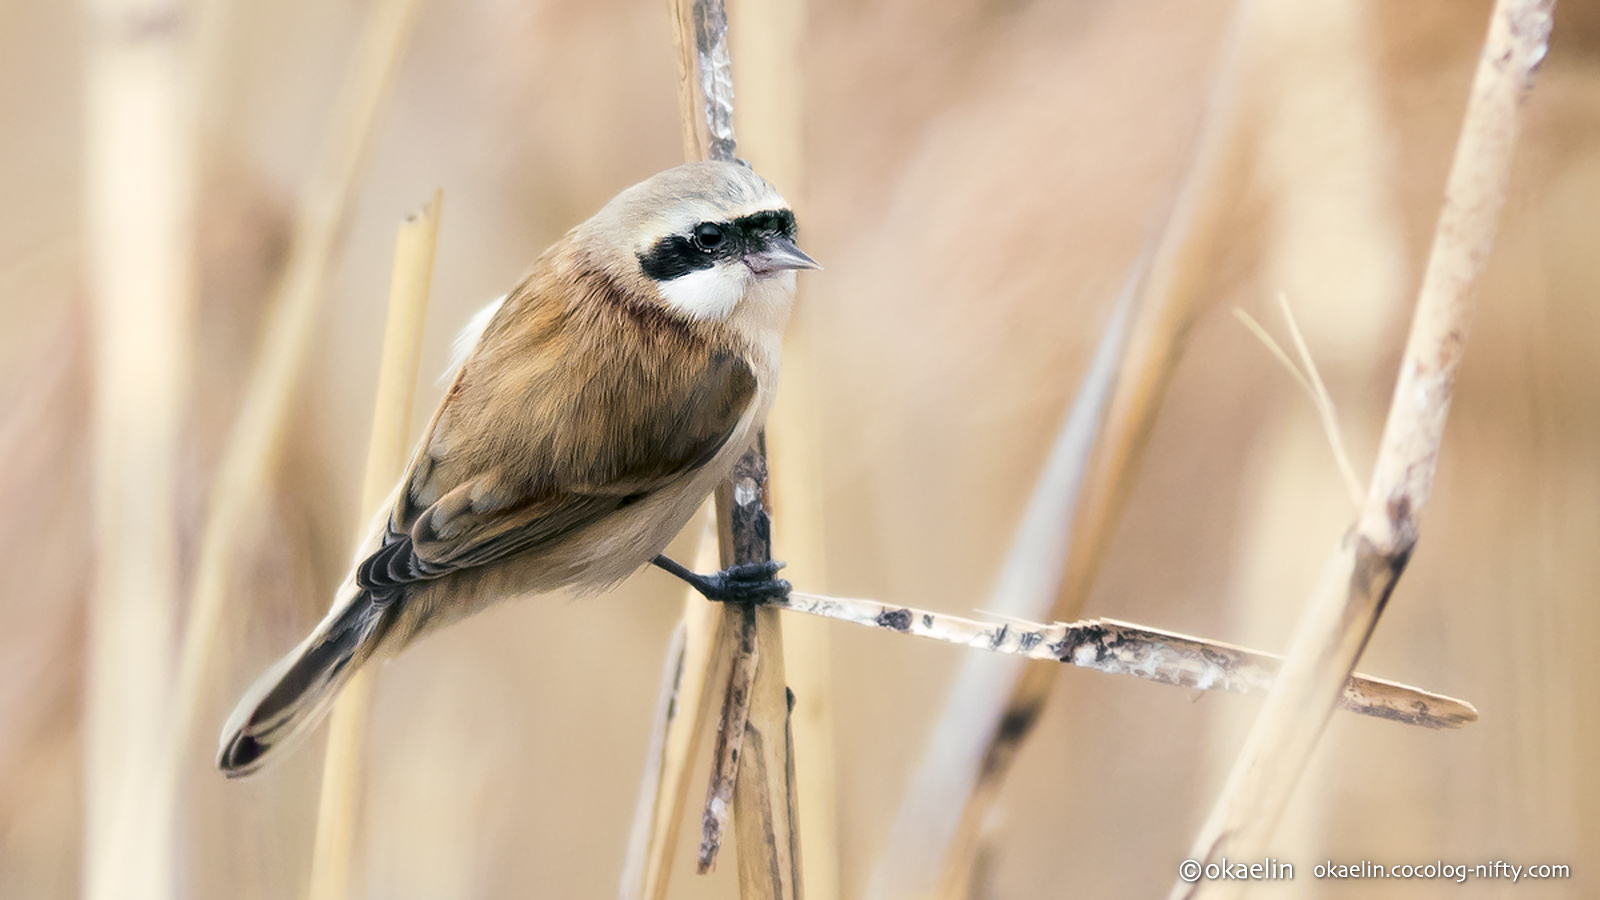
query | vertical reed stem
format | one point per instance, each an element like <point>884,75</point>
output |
<point>1361,573</point>
<point>681,715</point>
<point>255,439</point>
<point>342,777</point>
<point>767,39</point>
<point>753,768</point>
<point>139,173</point>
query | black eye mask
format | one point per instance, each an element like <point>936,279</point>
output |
<point>678,255</point>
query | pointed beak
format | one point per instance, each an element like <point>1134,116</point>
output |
<point>779,254</point>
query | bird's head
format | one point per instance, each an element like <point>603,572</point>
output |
<point>701,236</point>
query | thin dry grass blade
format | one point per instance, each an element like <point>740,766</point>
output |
<point>1305,375</point>
<point>339,805</point>
<point>1361,574</point>
<point>1323,401</point>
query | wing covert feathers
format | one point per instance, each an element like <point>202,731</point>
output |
<point>575,404</point>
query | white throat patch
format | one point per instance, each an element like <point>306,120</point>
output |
<point>708,293</point>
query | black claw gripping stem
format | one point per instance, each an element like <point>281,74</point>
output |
<point>747,583</point>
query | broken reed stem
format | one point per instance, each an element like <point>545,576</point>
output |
<point>139,186</point>
<point>255,440</point>
<point>681,715</point>
<point>342,775</point>
<point>992,709</point>
<point>1361,574</point>
<point>753,768</point>
<point>1123,648</point>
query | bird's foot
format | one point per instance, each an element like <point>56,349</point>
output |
<point>752,583</point>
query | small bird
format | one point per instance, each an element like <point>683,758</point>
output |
<point>591,411</point>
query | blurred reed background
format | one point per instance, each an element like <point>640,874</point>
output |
<point>980,177</point>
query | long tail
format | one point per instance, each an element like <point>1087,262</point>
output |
<point>290,698</point>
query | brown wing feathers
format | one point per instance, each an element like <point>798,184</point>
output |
<point>609,401</point>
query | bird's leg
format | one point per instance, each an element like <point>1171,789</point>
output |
<point>748,583</point>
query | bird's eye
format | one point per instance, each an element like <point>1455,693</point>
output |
<point>707,236</point>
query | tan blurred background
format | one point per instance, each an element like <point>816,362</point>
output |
<point>980,177</point>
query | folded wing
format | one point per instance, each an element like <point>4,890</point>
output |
<point>579,411</point>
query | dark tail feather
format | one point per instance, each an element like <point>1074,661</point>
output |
<point>294,695</point>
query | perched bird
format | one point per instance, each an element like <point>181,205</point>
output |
<point>592,410</point>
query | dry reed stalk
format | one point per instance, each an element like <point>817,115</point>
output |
<point>752,773</point>
<point>212,21</point>
<point>756,707</point>
<point>1361,573</point>
<point>255,440</point>
<point>139,185</point>
<point>941,785</point>
<point>991,709</point>
<point>752,768</point>
<point>681,715</point>
<point>645,838</point>
<point>1123,648</point>
<point>696,142</point>
<point>766,36</point>
<point>387,450</point>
